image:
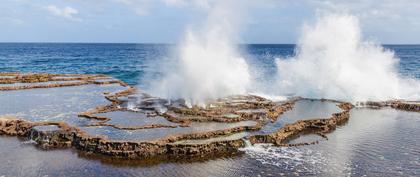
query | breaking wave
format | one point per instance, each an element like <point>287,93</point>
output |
<point>332,61</point>
<point>208,65</point>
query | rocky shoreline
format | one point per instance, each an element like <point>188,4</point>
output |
<point>236,111</point>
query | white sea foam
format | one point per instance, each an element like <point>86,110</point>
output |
<point>208,65</point>
<point>332,61</point>
<point>288,158</point>
<point>275,98</point>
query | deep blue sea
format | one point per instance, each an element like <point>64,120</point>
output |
<point>131,62</point>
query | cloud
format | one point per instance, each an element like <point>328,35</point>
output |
<point>141,7</point>
<point>195,3</point>
<point>370,9</point>
<point>65,12</point>
<point>176,2</point>
<point>144,7</point>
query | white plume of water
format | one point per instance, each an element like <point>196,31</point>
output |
<point>333,62</point>
<point>208,65</point>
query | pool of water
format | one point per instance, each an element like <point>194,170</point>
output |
<point>54,104</point>
<point>39,83</point>
<point>7,77</point>
<point>160,133</point>
<point>46,128</point>
<point>303,110</point>
<point>374,142</point>
<point>129,118</point>
<point>235,136</point>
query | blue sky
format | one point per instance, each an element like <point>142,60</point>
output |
<point>165,21</point>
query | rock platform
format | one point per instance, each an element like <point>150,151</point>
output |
<point>103,115</point>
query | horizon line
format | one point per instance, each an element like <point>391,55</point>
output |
<point>157,43</point>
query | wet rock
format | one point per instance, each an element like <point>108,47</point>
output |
<point>14,126</point>
<point>316,125</point>
<point>407,106</point>
<point>31,78</point>
<point>396,104</point>
<point>36,80</point>
<point>50,139</point>
<point>239,108</point>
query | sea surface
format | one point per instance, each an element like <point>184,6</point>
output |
<point>133,63</point>
<point>374,142</point>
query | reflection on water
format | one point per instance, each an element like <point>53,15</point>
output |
<point>303,110</point>
<point>375,142</point>
<point>160,133</point>
<point>129,118</point>
<point>55,104</point>
<point>18,84</point>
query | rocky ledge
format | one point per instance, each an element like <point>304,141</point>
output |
<point>396,104</point>
<point>136,125</point>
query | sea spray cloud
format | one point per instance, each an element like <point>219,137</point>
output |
<point>332,61</point>
<point>207,65</point>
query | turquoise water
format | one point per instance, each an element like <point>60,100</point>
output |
<point>133,62</point>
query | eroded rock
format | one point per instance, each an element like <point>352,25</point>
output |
<point>231,110</point>
<point>281,136</point>
<point>396,104</point>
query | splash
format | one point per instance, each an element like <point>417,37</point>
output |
<point>288,158</point>
<point>333,62</point>
<point>208,65</point>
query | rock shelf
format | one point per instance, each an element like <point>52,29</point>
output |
<point>319,126</point>
<point>155,127</point>
<point>396,104</point>
<point>39,80</point>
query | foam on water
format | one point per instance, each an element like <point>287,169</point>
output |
<point>275,98</point>
<point>288,158</point>
<point>332,61</point>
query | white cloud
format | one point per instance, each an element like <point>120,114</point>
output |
<point>144,7</point>
<point>182,3</point>
<point>175,2</point>
<point>65,12</point>
<point>141,7</point>
<point>370,9</point>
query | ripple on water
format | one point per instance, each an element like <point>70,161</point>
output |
<point>289,159</point>
<point>374,142</point>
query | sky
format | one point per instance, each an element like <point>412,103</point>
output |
<point>165,21</point>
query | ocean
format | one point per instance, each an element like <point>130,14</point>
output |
<point>132,62</point>
<point>374,142</point>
